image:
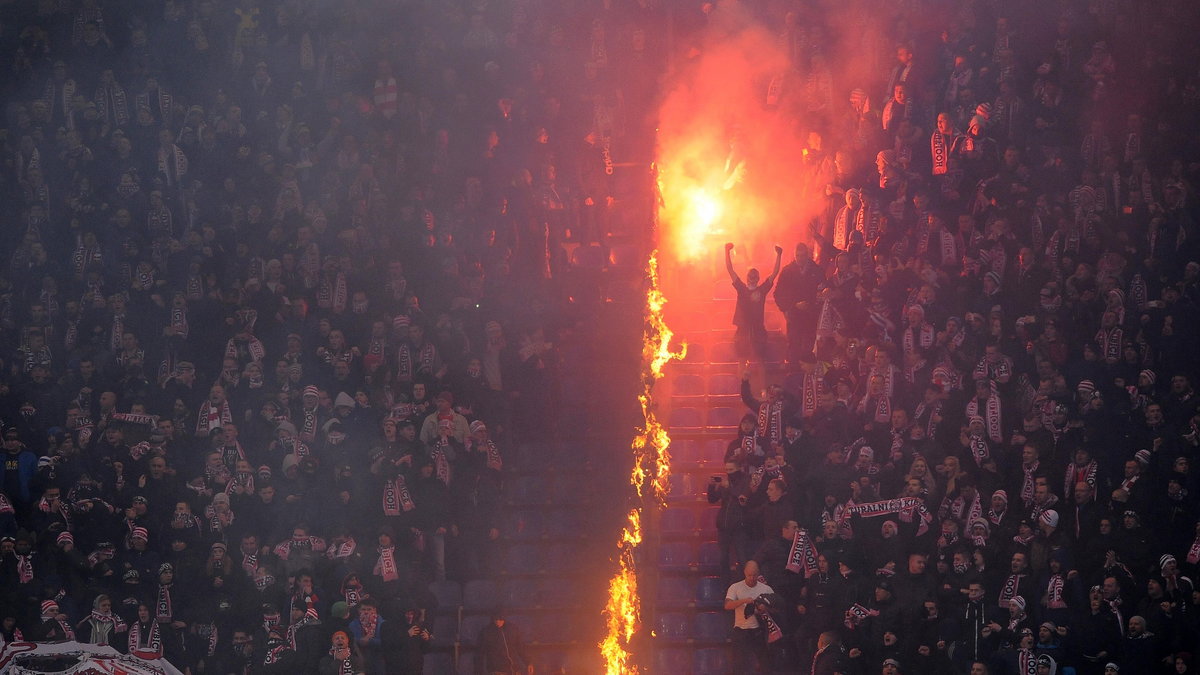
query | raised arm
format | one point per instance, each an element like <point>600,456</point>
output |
<point>729,264</point>
<point>778,262</point>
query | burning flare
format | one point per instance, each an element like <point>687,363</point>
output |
<point>651,469</point>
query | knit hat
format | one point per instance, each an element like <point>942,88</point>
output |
<point>1142,456</point>
<point>477,426</point>
<point>343,399</point>
<point>1112,666</point>
<point>1149,375</point>
<point>287,426</point>
<point>49,606</point>
<point>1003,495</point>
<point>1165,560</point>
<point>1019,601</point>
<point>1050,517</point>
<point>311,390</point>
<point>891,662</point>
<point>65,538</point>
<point>1085,387</point>
<point>339,610</point>
<point>140,533</point>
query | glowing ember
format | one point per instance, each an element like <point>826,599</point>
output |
<point>651,464</point>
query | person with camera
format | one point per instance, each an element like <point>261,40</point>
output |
<point>732,491</point>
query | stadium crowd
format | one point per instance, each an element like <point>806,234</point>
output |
<point>280,294</point>
<point>981,458</point>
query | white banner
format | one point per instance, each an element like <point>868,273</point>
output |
<point>76,658</point>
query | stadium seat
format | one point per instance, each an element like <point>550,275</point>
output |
<point>687,385</point>
<point>588,257</point>
<point>709,557</point>
<point>481,595</point>
<point>562,523</point>
<point>674,626</point>
<point>724,384</point>
<point>710,591</point>
<point>524,524</point>
<point>678,555</point>
<point>713,661</point>
<point>712,626</point>
<point>723,352</point>
<point>675,591</point>
<point>697,352</point>
<point>520,559</point>
<point>466,663</point>
<point>687,451</point>
<point>447,593</point>
<point>445,631</point>
<point>672,660</point>
<point>678,521</point>
<point>468,632</point>
<point>438,663</point>
<point>724,417</point>
<point>685,418</point>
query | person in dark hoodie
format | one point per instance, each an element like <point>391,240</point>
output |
<point>406,637</point>
<point>501,649</point>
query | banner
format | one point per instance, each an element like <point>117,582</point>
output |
<point>906,507</point>
<point>76,658</point>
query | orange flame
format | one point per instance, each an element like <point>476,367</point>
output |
<point>651,465</point>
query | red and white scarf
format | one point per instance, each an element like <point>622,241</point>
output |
<point>991,416</point>
<point>1027,482</point>
<point>811,388</point>
<point>24,568</point>
<point>283,550</point>
<point>386,569</point>
<point>1026,662</point>
<point>341,551</point>
<point>211,418</point>
<point>112,621</point>
<point>939,146</point>
<point>1054,592</point>
<point>163,611</point>
<point>1009,590</point>
<point>250,564</point>
<point>979,450</point>
<point>770,420</point>
<point>1076,474</point>
<point>494,461</point>
<point>1111,341</point>
<point>803,555</point>
<point>907,508</point>
<point>308,423</point>
<point>148,644</point>
<point>331,295</point>
<point>396,497</point>
<point>1193,554</point>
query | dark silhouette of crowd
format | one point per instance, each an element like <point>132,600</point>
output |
<point>282,294</point>
<point>981,456</point>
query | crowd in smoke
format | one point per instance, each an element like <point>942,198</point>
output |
<point>282,293</point>
<point>980,458</point>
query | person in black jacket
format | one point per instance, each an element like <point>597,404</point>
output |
<point>406,638</point>
<point>500,649</point>
<point>733,533</point>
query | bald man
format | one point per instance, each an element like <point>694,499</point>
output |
<point>749,644</point>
